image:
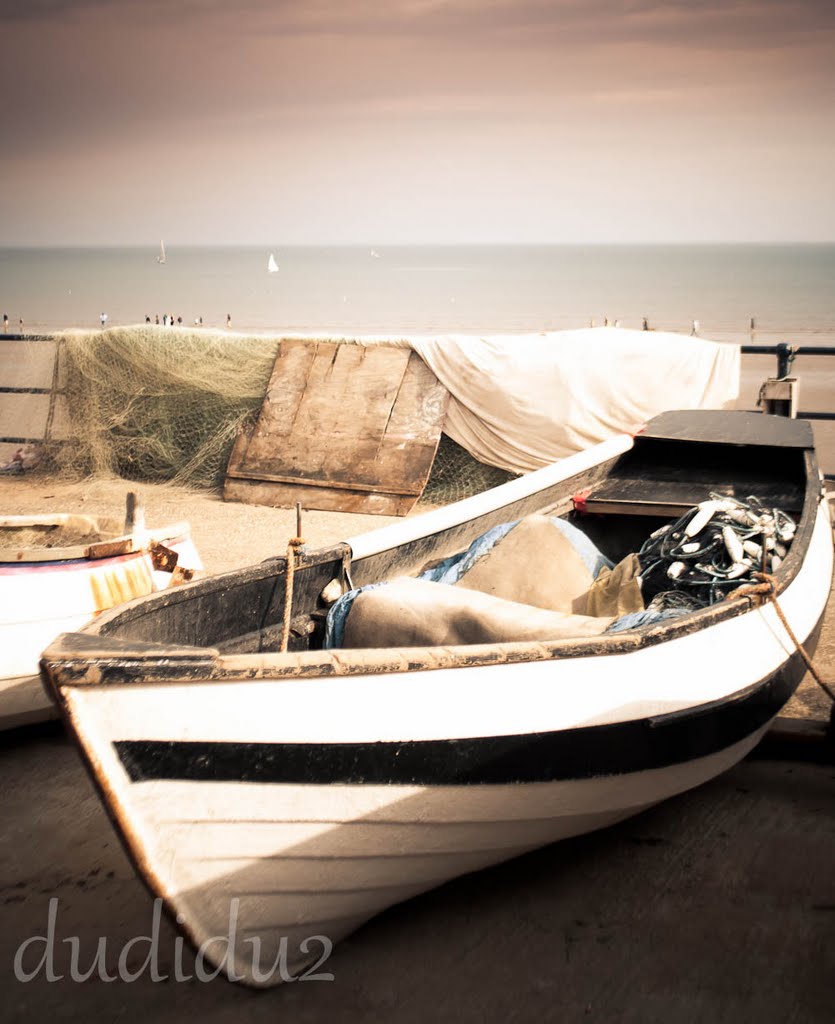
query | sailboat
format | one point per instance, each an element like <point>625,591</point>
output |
<point>161,257</point>
<point>272,266</point>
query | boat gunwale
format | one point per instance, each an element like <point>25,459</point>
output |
<point>87,659</point>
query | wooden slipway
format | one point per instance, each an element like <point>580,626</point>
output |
<point>343,428</point>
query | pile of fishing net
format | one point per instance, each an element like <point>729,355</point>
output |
<point>157,403</point>
<point>165,404</point>
<point>711,550</point>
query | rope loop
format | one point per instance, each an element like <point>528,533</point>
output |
<point>292,545</point>
<point>764,590</point>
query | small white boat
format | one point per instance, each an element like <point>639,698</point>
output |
<point>276,798</point>
<point>272,266</point>
<point>161,257</point>
<point>59,571</point>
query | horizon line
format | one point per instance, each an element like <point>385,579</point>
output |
<point>413,245</point>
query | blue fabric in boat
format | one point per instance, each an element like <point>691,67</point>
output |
<point>454,568</point>
<point>338,615</point>
<point>647,617</point>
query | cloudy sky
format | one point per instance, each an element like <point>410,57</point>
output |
<point>416,121</point>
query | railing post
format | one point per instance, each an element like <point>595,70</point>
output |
<point>785,357</point>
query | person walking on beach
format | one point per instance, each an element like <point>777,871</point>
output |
<point>694,328</point>
<point>5,323</point>
<point>103,319</point>
<point>228,319</point>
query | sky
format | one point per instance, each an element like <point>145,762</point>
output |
<point>416,121</point>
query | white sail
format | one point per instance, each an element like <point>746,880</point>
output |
<point>272,266</point>
<point>161,257</point>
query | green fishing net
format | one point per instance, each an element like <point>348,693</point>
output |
<point>157,404</point>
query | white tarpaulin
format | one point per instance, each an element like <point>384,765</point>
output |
<point>520,402</point>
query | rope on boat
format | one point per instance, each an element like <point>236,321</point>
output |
<point>293,544</point>
<point>766,589</point>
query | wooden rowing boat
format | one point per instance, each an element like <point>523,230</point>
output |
<point>279,799</point>
<point>58,571</point>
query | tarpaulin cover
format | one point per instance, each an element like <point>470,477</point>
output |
<point>520,402</point>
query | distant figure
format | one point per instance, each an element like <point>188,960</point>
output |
<point>228,319</point>
<point>605,321</point>
<point>179,319</point>
<point>694,328</point>
<point>103,319</point>
<point>645,325</point>
<point>147,319</point>
<point>164,319</point>
<point>21,325</point>
<point>753,325</point>
<point>5,323</point>
<point>171,319</point>
<point>617,323</point>
<point>156,319</point>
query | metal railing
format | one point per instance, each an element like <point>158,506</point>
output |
<point>786,355</point>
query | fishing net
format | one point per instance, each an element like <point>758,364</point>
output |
<point>456,474</point>
<point>165,404</point>
<point>711,550</point>
<point>158,404</point>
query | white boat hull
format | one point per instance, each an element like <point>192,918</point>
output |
<point>283,864</point>
<point>40,600</point>
<point>243,844</point>
<point>277,799</point>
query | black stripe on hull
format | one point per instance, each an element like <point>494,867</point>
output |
<point>581,753</point>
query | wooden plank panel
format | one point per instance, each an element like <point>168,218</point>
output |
<point>26,364</point>
<point>359,420</point>
<point>24,416</point>
<point>421,401</point>
<point>61,427</point>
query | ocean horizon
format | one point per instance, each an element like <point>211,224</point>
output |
<point>784,290</point>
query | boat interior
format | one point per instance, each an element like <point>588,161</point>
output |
<point>615,506</point>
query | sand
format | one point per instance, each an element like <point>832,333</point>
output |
<point>228,535</point>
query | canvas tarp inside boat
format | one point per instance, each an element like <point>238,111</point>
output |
<point>520,402</point>
<point>528,579</point>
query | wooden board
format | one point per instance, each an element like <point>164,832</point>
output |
<point>27,368</point>
<point>342,428</point>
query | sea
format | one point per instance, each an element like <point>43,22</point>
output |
<point>747,294</point>
<point>786,292</point>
